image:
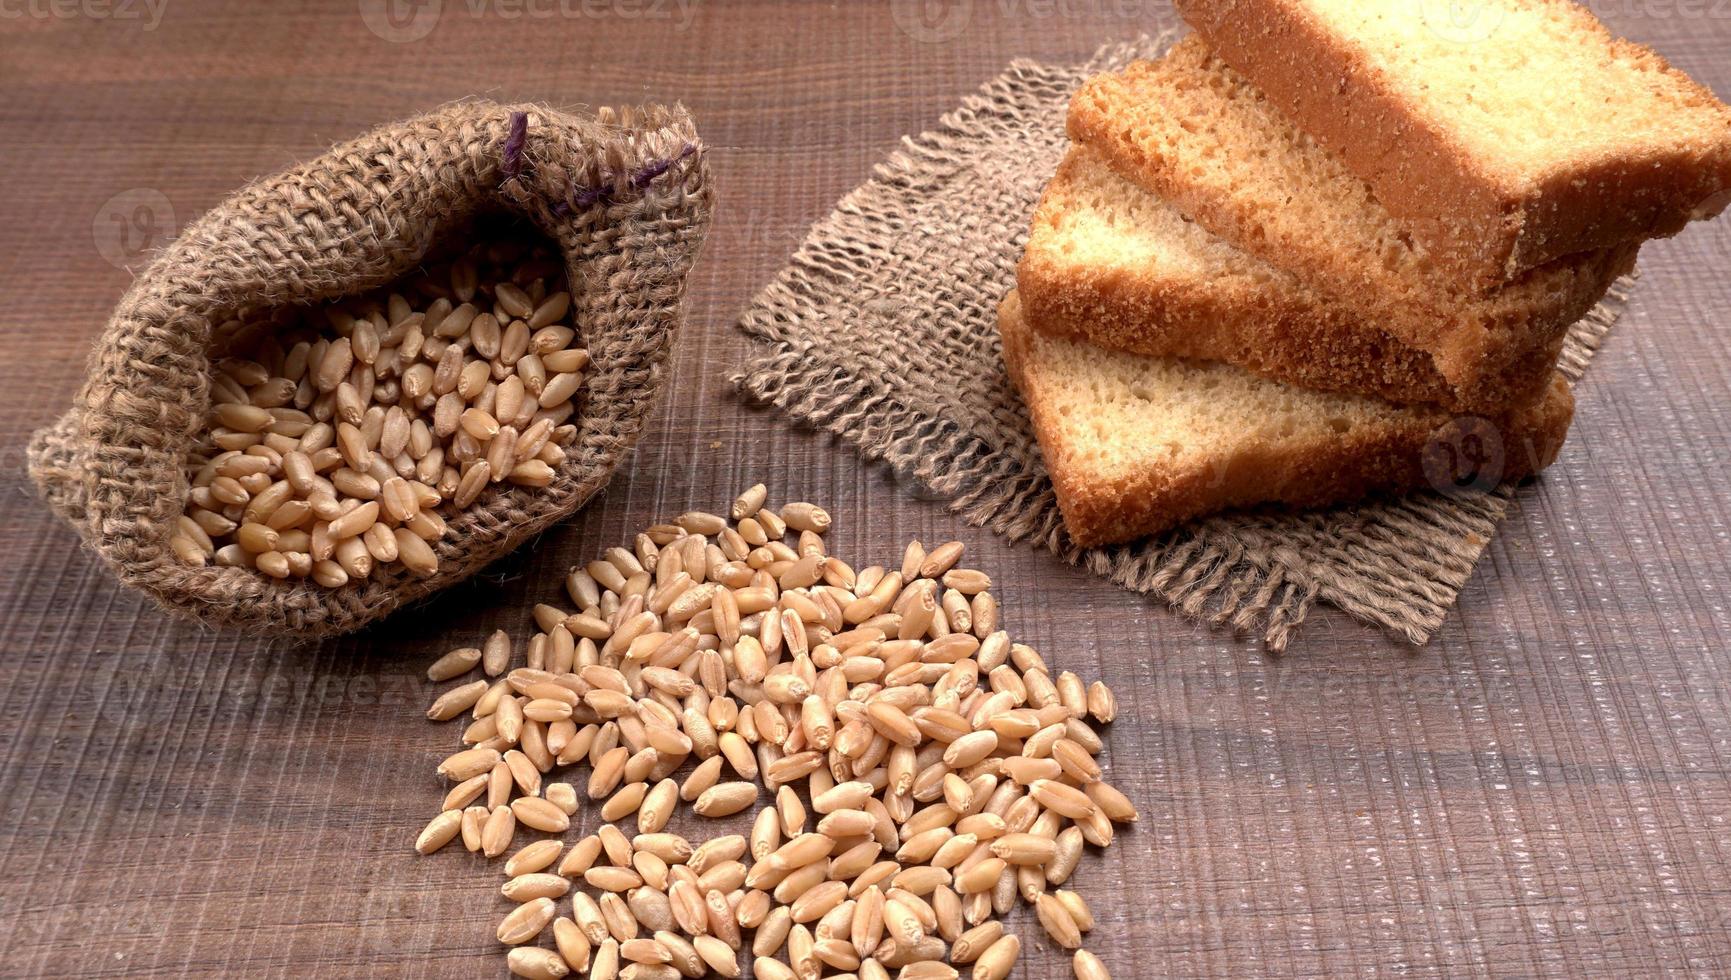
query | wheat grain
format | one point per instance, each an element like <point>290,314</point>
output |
<point>657,807</point>
<point>890,699</point>
<point>540,814</point>
<point>454,664</point>
<point>605,964</point>
<point>622,923</point>
<point>612,879</point>
<point>474,821</point>
<point>1066,853</point>
<point>642,950</point>
<point>441,830</point>
<point>1074,904</point>
<point>469,763</point>
<point>533,857</point>
<point>526,921</point>
<point>1088,966</point>
<point>998,959</point>
<point>528,887</point>
<point>717,955</point>
<point>574,947</point>
<point>725,799</point>
<point>497,832</point>
<point>941,559</point>
<point>928,970</point>
<point>466,792</point>
<point>535,963</point>
<point>1056,919</point>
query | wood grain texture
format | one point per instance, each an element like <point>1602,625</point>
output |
<point>1544,790</point>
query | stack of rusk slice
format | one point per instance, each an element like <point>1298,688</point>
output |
<point>1329,248</point>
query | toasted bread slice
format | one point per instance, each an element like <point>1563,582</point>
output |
<point>1136,444</point>
<point>1503,133</point>
<point>1193,131</point>
<point>1114,264</point>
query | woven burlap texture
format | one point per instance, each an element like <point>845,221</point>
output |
<point>623,195</point>
<point>882,331</point>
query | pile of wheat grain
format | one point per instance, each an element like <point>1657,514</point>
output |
<point>335,438</point>
<point>926,773</point>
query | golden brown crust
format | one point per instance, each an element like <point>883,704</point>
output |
<point>1473,340</point>
<point>1146,499</point>
<point>1274,326</point>
<point>1477,224</point>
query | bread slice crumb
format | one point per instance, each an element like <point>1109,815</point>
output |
<point>1503,134</point>
<point>1137,444</point>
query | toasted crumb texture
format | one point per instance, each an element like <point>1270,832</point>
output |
<point>1137,444</point>
<point>1114,264</point>
<point>1503,133</point>
<point>1193,131</point>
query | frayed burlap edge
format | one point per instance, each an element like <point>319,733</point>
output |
<point>1212,570</point>
<point>624,195</point>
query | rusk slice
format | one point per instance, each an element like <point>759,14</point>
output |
<point>1193,131</point>
<point>1114,264</point>
<point>1136,444</point>
<point>1503,133</point>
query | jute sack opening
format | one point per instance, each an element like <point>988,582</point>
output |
<point>625,199</point>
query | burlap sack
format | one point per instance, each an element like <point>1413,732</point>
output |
<point>625,197</point>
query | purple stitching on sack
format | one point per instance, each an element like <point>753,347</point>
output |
<point>641,178</point>
<point>586,197</point>
<point>514,144</point>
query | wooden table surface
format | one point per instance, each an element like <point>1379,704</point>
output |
<point>1542,790</point>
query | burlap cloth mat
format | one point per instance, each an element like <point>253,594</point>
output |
<point>624,196</point>
<point>882,331</point>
